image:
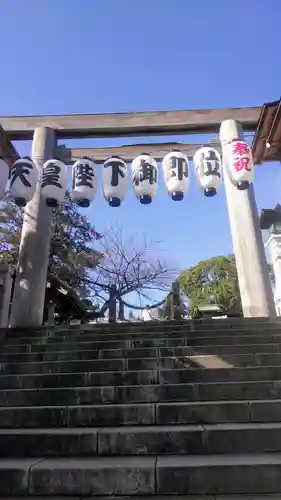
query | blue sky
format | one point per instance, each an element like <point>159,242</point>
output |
<point>93,56</point>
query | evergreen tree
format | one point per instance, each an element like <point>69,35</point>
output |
<point>212,281</point>
<point>72,253</point>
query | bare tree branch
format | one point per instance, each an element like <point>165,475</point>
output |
<point>132,265</point>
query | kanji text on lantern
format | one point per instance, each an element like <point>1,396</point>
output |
<point>84,175</point>
<point>118,169</point>
<point>145,172</point>
<point>241,156</point>
<point>51,175</point>
<point>21,171</point>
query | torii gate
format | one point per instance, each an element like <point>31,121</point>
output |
<point>254,283</point>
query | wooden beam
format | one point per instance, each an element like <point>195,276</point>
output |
<point>128,153</point>
<point>130,124</point>
<point>7,151</point>
<point>268,131</point>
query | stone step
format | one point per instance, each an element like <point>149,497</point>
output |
<point>250,352</point>
<point>210,375</point>
<point>201,328</point>
<point>64,442</point>
<point>139,377</point>
<point>80,354</point>
<point>48,390</point>
<point>209,361</point>
<point>100,415</point>
<point>224,361</point>
<point>40,380</point>
<point>142,333</point>
<point>164,475</point>
<point>75,416</point>
<point>219,474</point>
<point>170,343</point>
<point>118,346</point>
<point>215,412</point>
<point>216,391</point>
<point>160,497</point>
<point>241,438</point>
<point>132,328</point>
<point>226,497</point>
<point>220,350</point>
<point>141,440</point>
<point>78,366</point>
<point>201,341</point>
<point>75,366</point>
<point>44,345</point>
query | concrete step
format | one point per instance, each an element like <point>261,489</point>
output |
<point>141,440</point>
<point>227,352</point>
<point>151,327</point>
<point>219,474</point>
<point>160,497</point>
<point>224,361</point>
<point>189,439</point>
<point>75,416</point>
<point>26,443</point>
<point>201,341</point>
<point>64,442</point>
<point>242,438</point>
<point>75,366</point>
<point>164,475</point>
<point>48,345</point>
<point>138,377</point>
<point>100,415</point>
<point>81,354</point>
<point>230,497</point>
<point>220,350</point>
<point>111,364</point>
<point>78,379</point>
<point>144,332</point>
<point>208,375</point>
<point>216,391</point>
<point>53,394</point>
<point>216,412</point>
<point>104,476</point>
<point>131,364</point>
<point>78,366</point>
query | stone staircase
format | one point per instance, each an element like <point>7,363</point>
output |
<point>156,409</point>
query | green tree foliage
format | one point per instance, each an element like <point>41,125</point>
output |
<point>72,253</point>
<point>212,281</point>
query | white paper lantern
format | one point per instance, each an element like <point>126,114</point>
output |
<point>53,182</point>
<point>175,168</point>
<point>4,176</point>
<point>207,163</point>
<point>23,181</point>
<point>239,164</point>
<point>145,178</point>
<point>84,182</point>
<point>114,180</point>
